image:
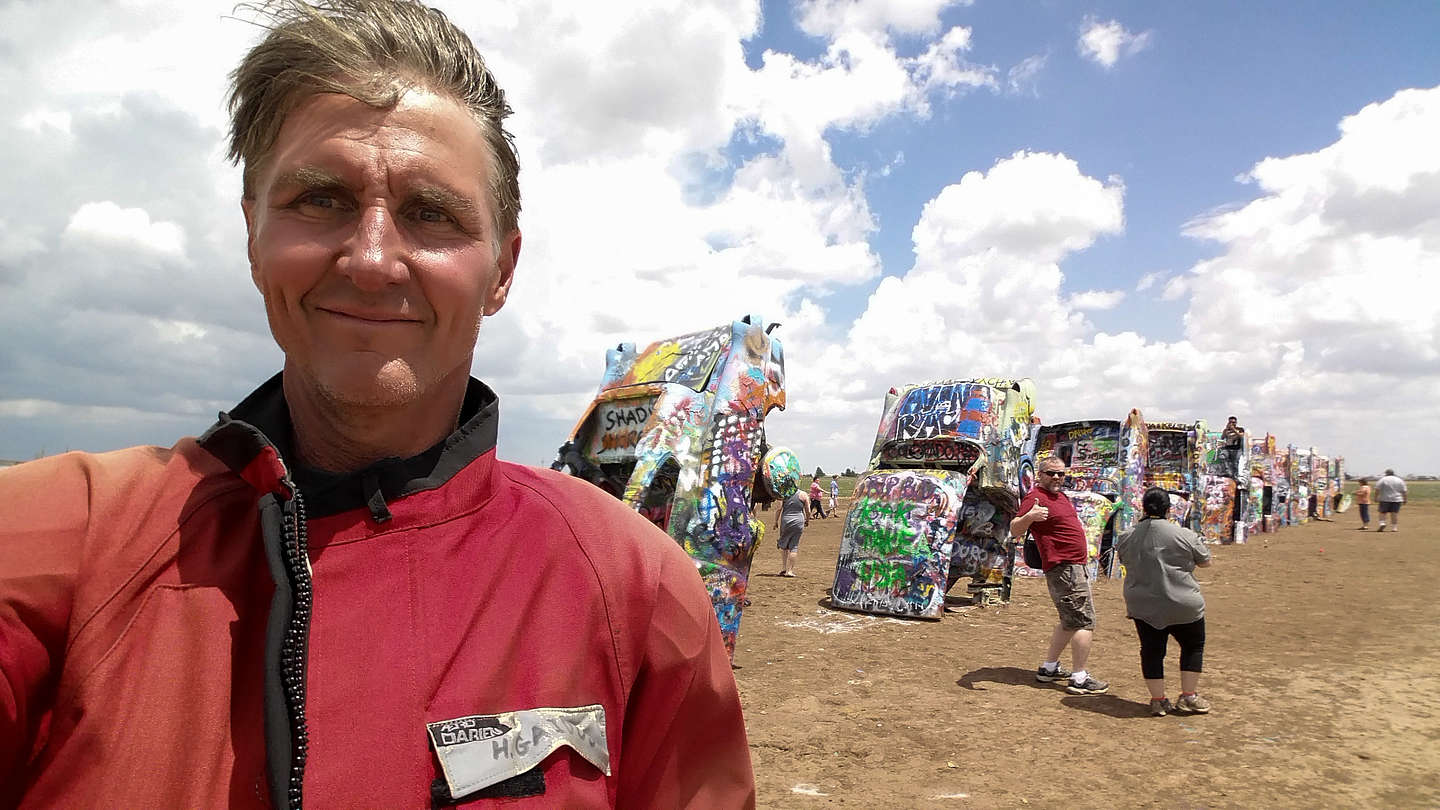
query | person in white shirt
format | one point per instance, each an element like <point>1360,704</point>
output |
<point>1390,491</point>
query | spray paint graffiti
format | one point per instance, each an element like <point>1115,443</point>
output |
<point>782,471</point>
<point>947,409</point>
<point>1217,509</point>
<point>954,455</point>
<point>1320,483</point>
<point>687,360</point>
<point>1222,459</point>
<point>1107,459</point>
<point>897,543</point>
<point>967,443</point>
<point>618,427</point>
<point>1174,463</point>
<point>677,432</point>
<point>1094,511</point>
<point>983,549</point>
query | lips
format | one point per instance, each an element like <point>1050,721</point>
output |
<point>378,317</point>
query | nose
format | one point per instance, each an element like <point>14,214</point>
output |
<point>373,257</point>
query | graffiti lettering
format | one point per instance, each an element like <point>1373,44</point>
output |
<point>913,451</point>
<point>954,409</point>
<point>897,543</point>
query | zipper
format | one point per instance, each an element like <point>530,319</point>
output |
<point>295,555</point>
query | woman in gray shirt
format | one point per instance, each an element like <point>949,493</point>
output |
<point>793,517</point>
<point>1164,599</point>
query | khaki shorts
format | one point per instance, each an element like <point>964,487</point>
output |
<point>1070,591</point>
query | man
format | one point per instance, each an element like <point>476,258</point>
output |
<point>1046,512</point>
<point>834,493</point>
<point>338,592</point>
<point>1232,445</point>
<point>1391,492</point>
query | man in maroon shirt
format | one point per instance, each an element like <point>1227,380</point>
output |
<point>1046,512</point>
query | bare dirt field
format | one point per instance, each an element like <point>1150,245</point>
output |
<point>1321,659</point>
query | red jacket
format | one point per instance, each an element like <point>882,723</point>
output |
<point>159,649</point>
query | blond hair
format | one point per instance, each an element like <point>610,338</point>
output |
<point>372,51</point>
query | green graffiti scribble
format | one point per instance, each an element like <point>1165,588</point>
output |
<point>881,574</point>
<point>883,527</point>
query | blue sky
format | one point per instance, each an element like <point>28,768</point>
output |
<point>918,190</point>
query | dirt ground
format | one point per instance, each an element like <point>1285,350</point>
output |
<point>1321,661</point>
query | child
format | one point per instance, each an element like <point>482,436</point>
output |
<point>1362,500</point>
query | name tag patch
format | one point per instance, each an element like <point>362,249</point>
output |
<point>479,750</point>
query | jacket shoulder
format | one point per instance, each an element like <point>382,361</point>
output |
<point>597,518</point>
<point>65,490</point>
<point>105,515</point>
<point>645,577</point>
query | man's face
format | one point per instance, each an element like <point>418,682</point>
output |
<point>372,241</point>
<point>1051,477</point>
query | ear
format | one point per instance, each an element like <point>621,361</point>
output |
<point>247,207</point>
<point>505,264</point>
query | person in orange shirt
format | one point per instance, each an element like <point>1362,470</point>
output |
<point>1362,500</point>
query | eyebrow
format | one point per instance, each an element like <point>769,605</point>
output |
<point>308,177</point>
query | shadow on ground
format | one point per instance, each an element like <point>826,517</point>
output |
<point>1010,676</point>
<point>1108,705</point>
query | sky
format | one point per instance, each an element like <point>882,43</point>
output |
<point>1195,209</point>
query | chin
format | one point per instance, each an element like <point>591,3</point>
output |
<point>393,384</point>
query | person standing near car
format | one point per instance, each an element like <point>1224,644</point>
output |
<point>1362,500</point>
<point>1046,512</point>
<point>790,522</point>
<point>1163,599</point>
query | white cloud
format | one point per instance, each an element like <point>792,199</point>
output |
<point>1033,205</point>
<point>1341,250</point>
<point>1023,78</point>
<point>830,17</point>
<point>1096,299</point>
<point>943,66</point>
<point>1105,42</point>
<point>1150,280</point>
<point>107,222</point>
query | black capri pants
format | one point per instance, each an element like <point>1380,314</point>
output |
<point>1153,641</point>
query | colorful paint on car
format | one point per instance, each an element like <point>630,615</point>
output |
<point>949,462</point>
<point>1225,488</point>
<point>1106,461</point>
<point>1173,464</point>
<point>677,432</point>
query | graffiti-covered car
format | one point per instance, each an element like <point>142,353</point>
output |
<point>1264,481</point>
<point>1106,461</point>
<point>1319,485</point>
<point>949,463</point>
<point>677,432</point>
<point>1173,463</point>
<point>1224,492</point>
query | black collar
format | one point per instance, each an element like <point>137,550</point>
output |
<point>262,420</point>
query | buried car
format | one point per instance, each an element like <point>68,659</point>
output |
<point>1225,489</point>
<point>950,460</point>
<point>1173,463</point>
<point>677,432</point>
<point>1106,461</point>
